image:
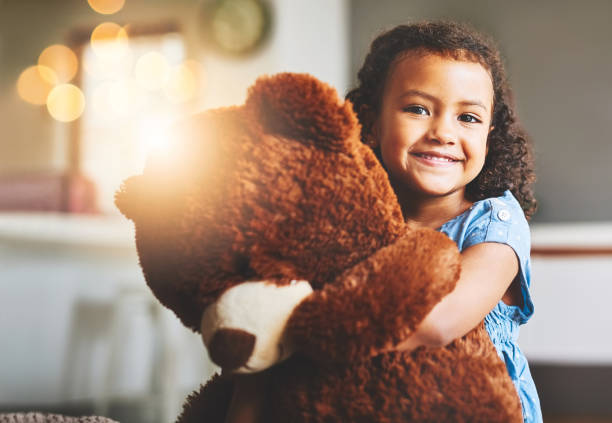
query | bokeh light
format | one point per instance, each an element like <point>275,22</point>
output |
<point>152,70</point>
<point>61,59</point>
<point>106,7</point>
<point>66,103</point>
<point>109,40</point>
<point>35,83</point>
<point>182,84</point>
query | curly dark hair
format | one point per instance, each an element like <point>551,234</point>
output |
<point>509,162</point>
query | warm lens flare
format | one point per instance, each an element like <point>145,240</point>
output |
<point>35,83</point>
<point>152,70</point>
<point>113,100</point>
<point>66,103</point>
<point>104,68</point>
<point>106,7</point>
<point>182,84</point>
<point>61,59</point>
<point>109,40</point>
<point>154,135</point>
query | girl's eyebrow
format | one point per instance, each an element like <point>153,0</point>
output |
<point>473,103</point>
<point>435,99</point>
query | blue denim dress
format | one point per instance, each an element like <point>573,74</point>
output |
<point>502,220</point>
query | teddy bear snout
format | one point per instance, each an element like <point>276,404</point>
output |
<point>231,348</point>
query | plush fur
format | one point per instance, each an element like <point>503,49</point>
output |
<point>282,189</point>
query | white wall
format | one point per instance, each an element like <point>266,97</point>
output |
<point>307,36</point>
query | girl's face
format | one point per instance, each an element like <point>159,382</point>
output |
<point>434,121</point>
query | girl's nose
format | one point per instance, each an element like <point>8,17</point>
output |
<point>442,132</point>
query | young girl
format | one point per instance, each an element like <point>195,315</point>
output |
<point>435,107</point>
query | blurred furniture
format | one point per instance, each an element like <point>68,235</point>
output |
<point>571,286</point>
<point>82,324</point>
<point>47,191</point>
<point>567,340</point>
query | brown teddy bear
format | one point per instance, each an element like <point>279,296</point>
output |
<point>273,230</point>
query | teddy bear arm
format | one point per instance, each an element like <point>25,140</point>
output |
<point>210,403</point>
<point>377,303</point>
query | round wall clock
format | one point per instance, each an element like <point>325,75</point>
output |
<point>236,27</point>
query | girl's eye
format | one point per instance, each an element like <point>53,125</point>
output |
<point>469,118</point>
<point>417,110</point>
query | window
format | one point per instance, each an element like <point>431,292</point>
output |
<point>135,87</point>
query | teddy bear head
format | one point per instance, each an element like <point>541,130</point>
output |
<point>280,188</point>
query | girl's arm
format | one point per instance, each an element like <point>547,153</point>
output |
<point>487,272</point>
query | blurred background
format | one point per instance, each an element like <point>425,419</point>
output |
<point>87,89</point>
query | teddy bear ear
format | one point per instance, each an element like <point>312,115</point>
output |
<point>300,106</point>
<point>128,198</point>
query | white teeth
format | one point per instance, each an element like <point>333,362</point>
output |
<point>436,158</point>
